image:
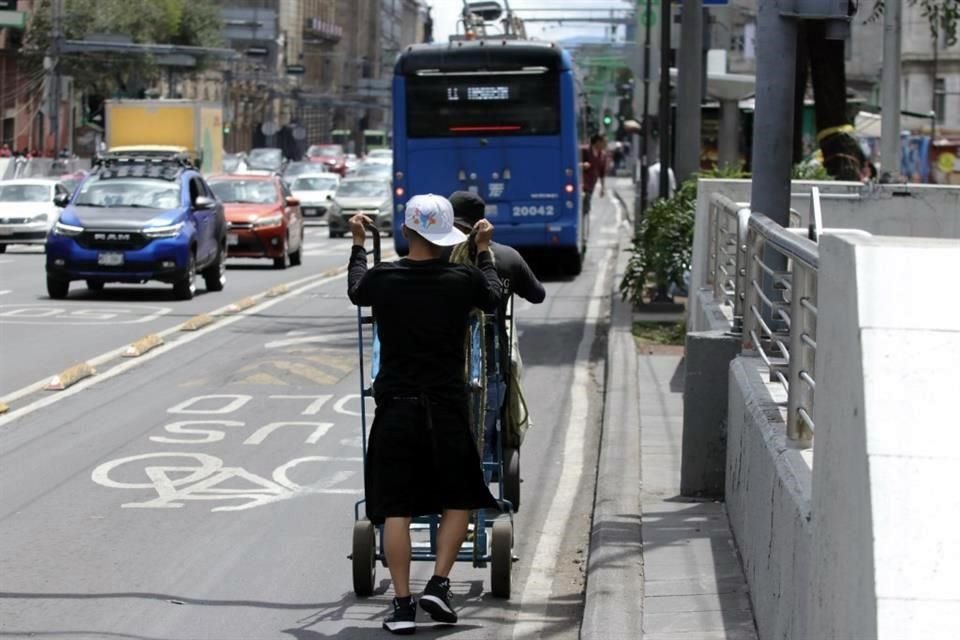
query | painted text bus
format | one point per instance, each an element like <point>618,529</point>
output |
<point>498,117</point>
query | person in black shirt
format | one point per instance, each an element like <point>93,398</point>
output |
<point>516,277</point>
<point>421,458</point>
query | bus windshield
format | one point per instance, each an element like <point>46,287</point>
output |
<point>441,106</point>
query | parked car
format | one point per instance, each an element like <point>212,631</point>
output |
<point>368,196</point>
<point>330,156</point>
<point>135,220</point>
<point>28,209</point>
<point>267,159</point>
<point>264,219</point>
<point>314,192</point>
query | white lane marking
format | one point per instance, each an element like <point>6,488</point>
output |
<point>537,590</point>
<point>37,314</point>
<point>6,261</point>
<point>118,352</point>
<point>290,342</point>
<point>169,346</point>
<point>5,292</point>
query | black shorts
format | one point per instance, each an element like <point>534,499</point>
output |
<point>417,466</point>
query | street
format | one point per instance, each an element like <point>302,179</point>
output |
<point>206,490</point>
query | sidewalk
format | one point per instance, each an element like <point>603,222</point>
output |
<point>661,567</point>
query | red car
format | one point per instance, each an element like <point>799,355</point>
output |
<point>331,156</point>
<point>263,218</point>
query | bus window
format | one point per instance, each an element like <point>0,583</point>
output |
<point>440,106</point>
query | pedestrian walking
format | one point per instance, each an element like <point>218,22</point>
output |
<point>516,277</point>
<point>594,162</point>
<point>421,457</point>
<point>653,183</point>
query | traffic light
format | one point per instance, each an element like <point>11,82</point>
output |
<point>226,128</point>
<point>607,118</point>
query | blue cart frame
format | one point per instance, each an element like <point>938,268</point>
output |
<point>491,539</point>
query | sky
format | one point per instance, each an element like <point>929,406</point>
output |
<point>446,12</point>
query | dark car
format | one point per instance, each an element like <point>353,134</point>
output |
<point>263,219</point>
<point>135,220</point>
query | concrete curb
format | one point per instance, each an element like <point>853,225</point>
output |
<point>197,322</point>
<point>615,579</point>
<point>241,305</point>
<point>71,376</point>
<point>143,345</point>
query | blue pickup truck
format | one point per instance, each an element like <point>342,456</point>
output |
<point>137,219</point>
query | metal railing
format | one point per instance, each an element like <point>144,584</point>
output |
<point>767,274</point>
<point>780,315</point>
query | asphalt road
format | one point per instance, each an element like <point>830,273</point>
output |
<point>44,336</point>
<point>206,490</point>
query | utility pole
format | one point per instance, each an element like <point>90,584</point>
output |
<point>56,42</point>
<point>689,90</point>
<point>773,118</point>
<point>645,118</point>
<point>890,90</point>
<point>664,116</point>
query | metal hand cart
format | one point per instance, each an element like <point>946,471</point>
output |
<point>490,538</point>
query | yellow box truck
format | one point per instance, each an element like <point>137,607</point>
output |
<point>190,126</point>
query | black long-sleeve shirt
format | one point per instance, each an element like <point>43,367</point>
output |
<point>515,273</point>
<point>421,308</point>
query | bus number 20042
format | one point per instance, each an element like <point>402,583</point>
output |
<point>533,210</point>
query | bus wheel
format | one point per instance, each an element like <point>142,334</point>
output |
<point>573,263</point>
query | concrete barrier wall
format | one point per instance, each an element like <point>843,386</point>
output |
<point>886,509</point>
<point>863,544</point>
<point>768,500</point>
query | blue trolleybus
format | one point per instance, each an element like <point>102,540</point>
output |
<point>497,117</point>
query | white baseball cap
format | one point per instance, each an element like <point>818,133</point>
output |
<point>431,216</point>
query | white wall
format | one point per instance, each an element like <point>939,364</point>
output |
<point>768,502</point>
<point>885,505</point>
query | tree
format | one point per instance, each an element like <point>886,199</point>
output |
<point>943,16</point>
<point>182,22</point>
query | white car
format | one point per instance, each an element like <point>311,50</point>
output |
<point>379,156</point>
<point>28,210</point>
<point>315,192</point>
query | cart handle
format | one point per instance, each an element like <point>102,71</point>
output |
<point>375,232</point>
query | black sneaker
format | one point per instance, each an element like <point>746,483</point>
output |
<point>436,600</point>
<point>403,620</point>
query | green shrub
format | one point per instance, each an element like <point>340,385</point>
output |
<point>662,249</point>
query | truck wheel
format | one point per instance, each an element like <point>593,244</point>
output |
<point>511,476</point>
<point>57,289</point>
<point>572,263</point>
<point>3,248</point>
<point>364,558</point>
<point>184,288</point>
<point>501,560</point>
<point>215,276</point>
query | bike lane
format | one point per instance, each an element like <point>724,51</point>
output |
<point>210,492</point>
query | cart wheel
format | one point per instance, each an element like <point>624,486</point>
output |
<point>511,476</point>
<point>501,561</point>
<point>364,558</point>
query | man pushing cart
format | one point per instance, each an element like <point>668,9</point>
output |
<point>421,459</point>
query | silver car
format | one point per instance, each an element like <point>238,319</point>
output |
<point>369,196</point>
<point>29,207</point>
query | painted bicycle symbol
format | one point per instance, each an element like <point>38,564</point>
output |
<point>178,478</point>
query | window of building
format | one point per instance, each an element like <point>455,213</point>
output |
<point>940,99</point>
